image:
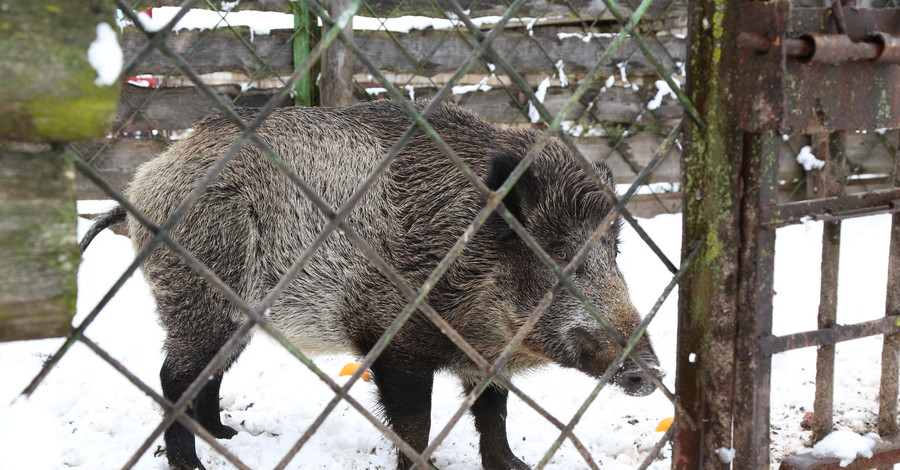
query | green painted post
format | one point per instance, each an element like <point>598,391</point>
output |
<point>60,63</point>
<point>305,28</point>
<point>711,169</point>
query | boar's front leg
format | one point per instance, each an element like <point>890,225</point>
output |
<point>490,422</point>
<point>406,399</point>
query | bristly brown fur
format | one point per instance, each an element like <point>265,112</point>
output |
<point>253,223</point>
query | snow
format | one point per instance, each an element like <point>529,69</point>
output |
<point>662,89</point>
<point>846,446</point>
<point>264,22</point>
<point>480,86</point>
<point>651,188</point>
<point>563,79</point>
<point>725,455</point>
<point>95,206</point>
<point>20,422</point>
<point>411,90</point>
<point>533,114</point>
<point>375,91</point>
<point>105,56</point>
<point>86,415</point>
<point>623,74</point>
<point>259,22</point>
<point>584,37</point>
<point>809,161</point>
<point>868,176</point>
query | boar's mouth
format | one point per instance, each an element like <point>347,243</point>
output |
<point>633,380</point>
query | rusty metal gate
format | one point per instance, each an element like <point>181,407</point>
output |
<point>777,68</point>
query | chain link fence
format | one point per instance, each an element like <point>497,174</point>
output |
<point>550,67</point>
<point>604,78</point>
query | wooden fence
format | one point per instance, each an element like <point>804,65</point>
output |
<point>622,119</point>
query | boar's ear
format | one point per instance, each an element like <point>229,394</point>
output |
<point>604,172</point>
<point>500,166</point>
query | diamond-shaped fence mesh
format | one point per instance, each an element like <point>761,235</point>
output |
<point>603,80</point>
<point>515,76</point>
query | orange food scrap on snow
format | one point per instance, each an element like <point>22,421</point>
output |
<point>349,369</point>
<point>664,425</point>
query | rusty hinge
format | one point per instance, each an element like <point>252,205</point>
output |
<point>803,71</point>
<point>832,49</point>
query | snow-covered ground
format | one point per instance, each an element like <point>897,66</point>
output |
<point>87,416</point>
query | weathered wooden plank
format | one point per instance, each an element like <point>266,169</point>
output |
<point>49,89</point>
<point>426,52</point>
<point>38,253</point>
<point>586,9</point>
<point>117,159</point>
<point>216,50</point>
<point>619,108</point>
<point>866,153</point>
<point>146,109</point>
<point>432,52</point>
<point>612,106</point>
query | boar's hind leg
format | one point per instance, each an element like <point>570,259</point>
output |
<point>185,359</point>
<point>206,409</point>
<point>406,399</point>
<point>490,422</point>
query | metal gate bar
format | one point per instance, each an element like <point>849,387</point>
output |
<point>831,147</point>
<point>890,352</point>
<point>755,292</point>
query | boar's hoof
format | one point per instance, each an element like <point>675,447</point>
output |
<point>222,432</point>
<point>184,459</point>
<point>508,461</point>
<point>186,466</point>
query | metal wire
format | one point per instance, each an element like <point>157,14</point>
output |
<point>491,371</point>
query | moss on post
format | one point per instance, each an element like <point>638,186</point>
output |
<point>50,93</point>
<point>38,251</point>
<point>707,301</point>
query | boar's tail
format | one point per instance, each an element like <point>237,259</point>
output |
<point>111,217</point>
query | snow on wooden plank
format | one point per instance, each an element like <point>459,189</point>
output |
<point>575,9</point>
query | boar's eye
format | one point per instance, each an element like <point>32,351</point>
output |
<point>562,256</point>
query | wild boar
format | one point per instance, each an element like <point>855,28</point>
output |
<point>252,223</point>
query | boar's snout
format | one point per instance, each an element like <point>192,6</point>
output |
<point>633,380</point>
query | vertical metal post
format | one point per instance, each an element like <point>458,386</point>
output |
<point>831,185</point>
<point>304,25</point>
<point>337,65</point>
<point>890,355</point>
<point>707,300</point>
<point>753,367</point>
